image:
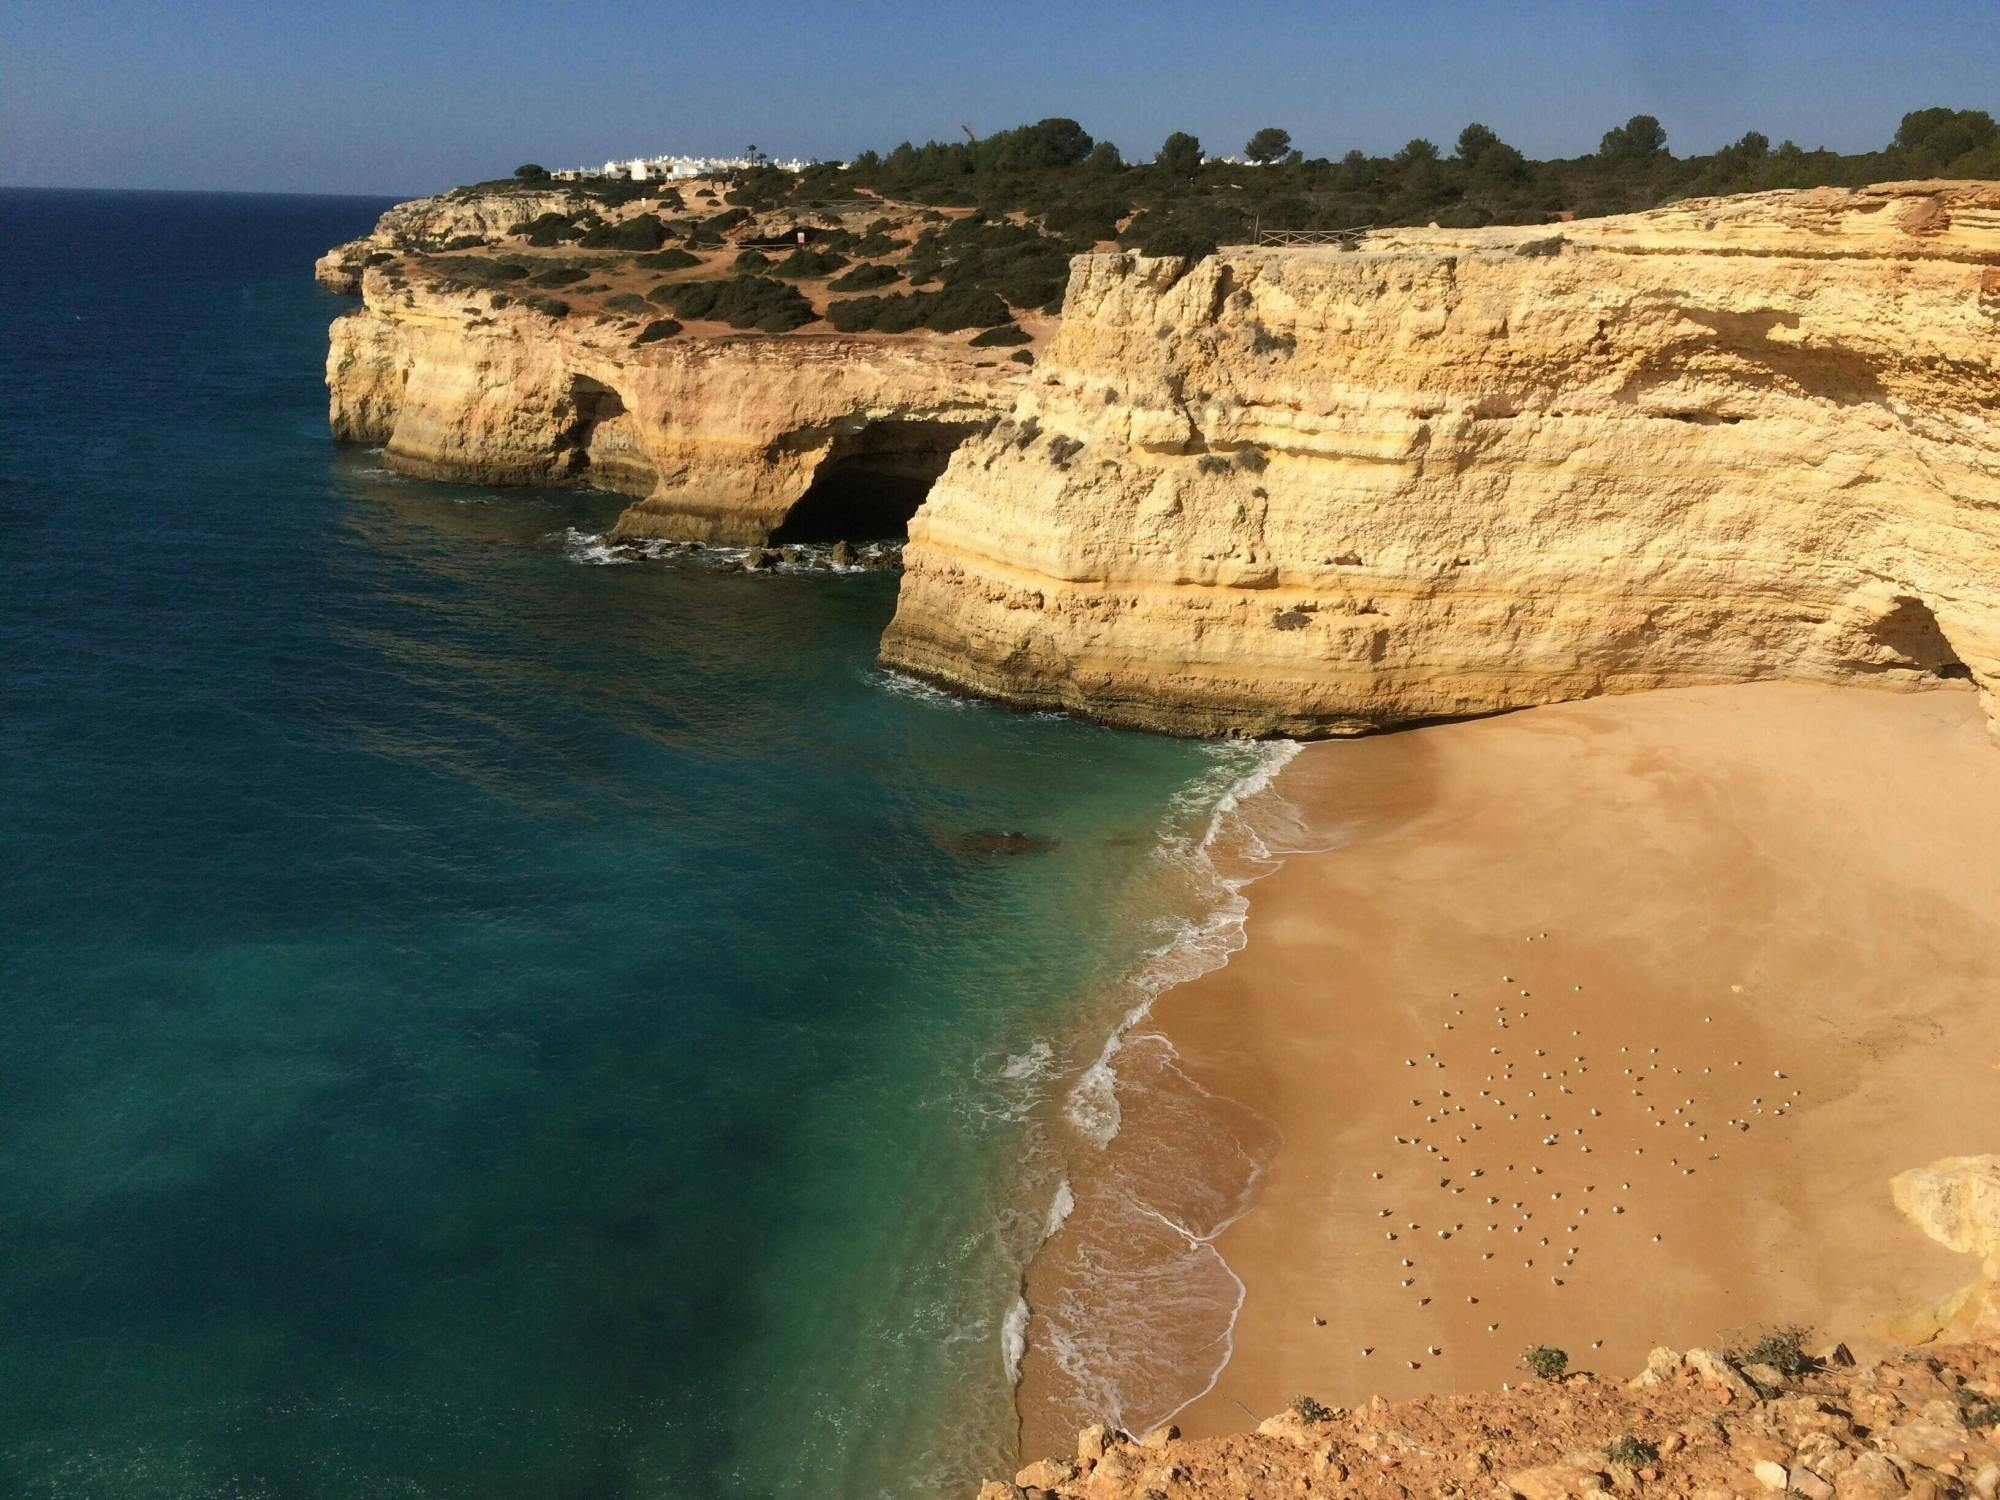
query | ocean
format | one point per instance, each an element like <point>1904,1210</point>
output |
<point>479,1017</point>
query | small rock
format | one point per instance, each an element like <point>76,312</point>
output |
<point>1045,1474</point>
<point>1159,1437</point>
<point>1771,1475</point>
<point>1091,1443</point>
<point>999,1489</point>
<point>1872,1477</point>
<point>1986,1483</point>
<point>1809,1484</point>
<point>1710,1365</point>
<point>843,555</point>
<point>1554,1482</point>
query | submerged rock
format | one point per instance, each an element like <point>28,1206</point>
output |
<point>1005,841</point>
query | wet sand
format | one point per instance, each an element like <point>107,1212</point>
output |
<point>1602,1025</point>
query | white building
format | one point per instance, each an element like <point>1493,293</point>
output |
<point>675,168</point>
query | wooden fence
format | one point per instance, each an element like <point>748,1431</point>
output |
<point>1301,237</point>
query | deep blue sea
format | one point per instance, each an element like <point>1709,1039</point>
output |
<point>475,1022</point>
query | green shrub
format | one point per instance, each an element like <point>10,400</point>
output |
<point>670,259</point>
<point>1266,342</point>
<point>560,276</point>
<point>727,220</point>
<point>864,278</point>
<point>548,229</point>
<point>751,260</point>
<point>947,311</point>
<point>627,302</point>
<point>1783,1349</point>
<point>807,265</point>
<point>1177,240</point>
<point>1632,1452</point>
<point>659,328</point>
<point>640,232</point>
<point>1545,1363</point>
<point>741,302</point>
<point>1022,357</point>
<point>1309,1410</point>
<point>551,307</point>
<point>875,243</point>
<point>1005,335</point>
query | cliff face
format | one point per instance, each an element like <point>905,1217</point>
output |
<point>719,438</point>
<point>1318,491</point>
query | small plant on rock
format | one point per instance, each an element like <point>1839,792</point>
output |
<point>1977,1413</point>
<point>1306,1409</point>
<point>1783,1349</point>
<point>1545,1363</point>
<point>1632,1452</point>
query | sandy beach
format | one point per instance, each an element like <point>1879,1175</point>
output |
<point>1601,1025</point>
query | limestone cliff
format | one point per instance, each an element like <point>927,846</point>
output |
<point>720,438</point>
<point>1957,1203</point>
<point>1454,471</point>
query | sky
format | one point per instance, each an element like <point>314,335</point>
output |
<point>413,96</point>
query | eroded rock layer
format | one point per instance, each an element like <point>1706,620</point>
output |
<point>719,438</point>
<point>1455,471</point>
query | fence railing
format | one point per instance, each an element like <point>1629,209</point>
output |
<point>1313,236</point>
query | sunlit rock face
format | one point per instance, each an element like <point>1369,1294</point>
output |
<point>1454,471</point>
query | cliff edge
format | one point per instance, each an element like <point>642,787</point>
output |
<point>1311,492</point>
<point>1698,1426</point>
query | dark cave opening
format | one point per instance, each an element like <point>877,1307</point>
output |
<point>1912,632</point>
<point>872,481</point>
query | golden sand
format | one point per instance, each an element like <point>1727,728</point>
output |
<point>1604,1025</point>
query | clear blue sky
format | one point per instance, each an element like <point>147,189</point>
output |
<point>407,96</point>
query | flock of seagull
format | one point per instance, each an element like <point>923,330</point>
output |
<point>1467,1137</point>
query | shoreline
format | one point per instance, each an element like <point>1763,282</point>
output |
<point>1754,880</point>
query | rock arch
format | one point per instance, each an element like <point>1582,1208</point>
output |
<point>870,481</point>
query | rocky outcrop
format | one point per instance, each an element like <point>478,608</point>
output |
<point>1919,1426</point>
<point>432,223</point>
<point>720,439</point>
<point>1454,471</point>
<point>1957,1203</point>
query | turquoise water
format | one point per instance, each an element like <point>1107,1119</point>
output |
<point>474,1023</point>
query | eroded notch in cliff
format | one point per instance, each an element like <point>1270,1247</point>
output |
<point>590,402</point>
<point>1912,640</point>
<point>872,480</point>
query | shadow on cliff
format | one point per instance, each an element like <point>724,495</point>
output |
<point>1746,350</point>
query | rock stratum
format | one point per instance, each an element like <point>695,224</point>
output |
<point>1453,471</point>
<point>1311,492</point>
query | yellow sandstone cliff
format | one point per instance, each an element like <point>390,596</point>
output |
<point>719,438</point>
<point>1324,491</point>
<point>1454,471</point>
